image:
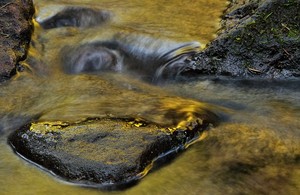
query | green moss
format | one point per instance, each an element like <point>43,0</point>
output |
<point>267,16</point>
<point>294,34</point>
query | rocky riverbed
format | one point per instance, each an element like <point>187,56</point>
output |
<point>255,42</point>
<point>258,39</point>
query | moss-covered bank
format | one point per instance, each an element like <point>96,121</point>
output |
<point>259,39</point>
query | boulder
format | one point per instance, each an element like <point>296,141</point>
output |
<point>15,34</point>
<point>102,153</point>
<point>259,39</point>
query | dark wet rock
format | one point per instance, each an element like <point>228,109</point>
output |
<point>76,17</point>
<point>15,34</point>
<point>259,39</point>
<point>106,153</point>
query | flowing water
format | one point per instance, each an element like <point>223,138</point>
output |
<point>255,150</point>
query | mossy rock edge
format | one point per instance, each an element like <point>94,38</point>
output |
<point>258,39</point>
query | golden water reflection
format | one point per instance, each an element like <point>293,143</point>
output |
<point>178,20</point>
<point>255,152</point>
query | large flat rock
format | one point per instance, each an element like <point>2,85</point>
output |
<point>103,153</point>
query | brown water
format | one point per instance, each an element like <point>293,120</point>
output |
<point>254,151</point>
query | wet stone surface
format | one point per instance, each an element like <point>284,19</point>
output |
<point>106,153</point>
<point>15,33</point>
<point>259,39</point>
<point>77,17</point>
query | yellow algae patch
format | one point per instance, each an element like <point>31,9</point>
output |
<point>47,127</point>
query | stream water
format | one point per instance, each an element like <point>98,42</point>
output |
<point>255,150</point>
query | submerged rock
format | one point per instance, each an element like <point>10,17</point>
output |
<point>15,33</point>
<point>259,39</point>
<point>103,153</point>
<point>75,16</point>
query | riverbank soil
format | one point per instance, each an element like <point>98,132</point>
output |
<point>15,34</point>
<point>258,39</point>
